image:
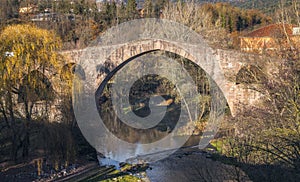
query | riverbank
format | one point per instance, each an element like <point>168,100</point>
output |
<point>186,164</point>
<point>28,171</point>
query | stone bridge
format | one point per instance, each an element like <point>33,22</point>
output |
<point>223,66</point>
<point>121,45</point>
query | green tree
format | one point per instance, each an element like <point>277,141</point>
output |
<point>121,13</point>
<point>27,55</point>
<point>131,10</point>
<point>148,9</point>
<point>109,14</point>
<point>159,6</point>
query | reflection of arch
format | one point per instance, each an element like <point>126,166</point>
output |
<point>250,74</point>
<point>35,87</point>
<point>68,70</point>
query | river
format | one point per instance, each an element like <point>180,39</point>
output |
<point>189,163</point>
<point>192,164</point>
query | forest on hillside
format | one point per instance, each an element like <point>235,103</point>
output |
<point>79,22</point>
<point>266,6</point>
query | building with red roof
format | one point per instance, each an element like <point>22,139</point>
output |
<point>271,38</point>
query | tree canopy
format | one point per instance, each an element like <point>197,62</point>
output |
<point>30,47</point>
<point>27,54</point>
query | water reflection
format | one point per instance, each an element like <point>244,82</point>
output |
<point>151,94</point>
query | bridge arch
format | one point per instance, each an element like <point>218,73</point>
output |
<point>125,53</point>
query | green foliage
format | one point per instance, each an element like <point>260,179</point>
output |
<point>35,87</point>
<point>126,178</point>
<point>217,144</point>
<point>32,49</point>
<point>158,7</point>
<point>123,178</point>
<point>235,19</point>
<point>268,6</point>
<point>148,9</point>
<point>27,55</point>
<point>219,23</point>
<point>131,10</point>
<point>108,15</point>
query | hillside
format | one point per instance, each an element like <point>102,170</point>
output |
<point>266,6</point>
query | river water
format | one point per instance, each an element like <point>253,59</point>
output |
<point>191,164</point>
<point>187,164</point>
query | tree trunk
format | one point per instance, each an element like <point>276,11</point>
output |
<point>25,145</point>
<point>14,149</point>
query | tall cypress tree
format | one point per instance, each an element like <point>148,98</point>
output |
<point>113,12</point>
<point>131,10</point>
<point>121,13</point>
<point>158,7</point>
<point>148,9</point>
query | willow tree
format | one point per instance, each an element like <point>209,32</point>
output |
<point>71,76</point>
<point>28,55</point>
